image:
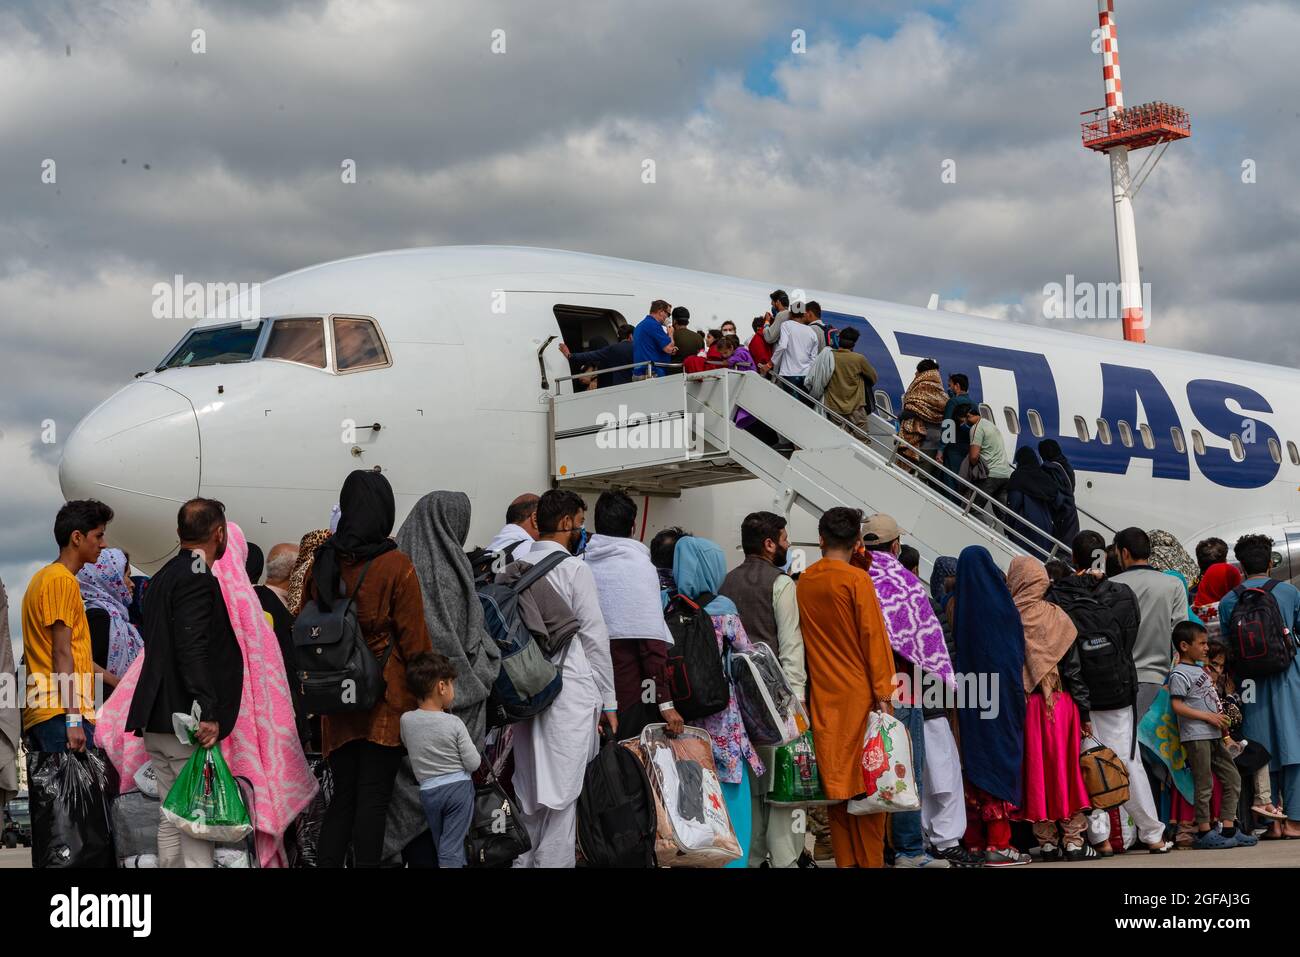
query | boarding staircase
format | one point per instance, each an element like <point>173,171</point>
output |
<point>667,434</point>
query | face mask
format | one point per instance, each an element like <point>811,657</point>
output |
<point>578,543</point>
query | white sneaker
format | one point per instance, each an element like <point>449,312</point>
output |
<point>920,860</point>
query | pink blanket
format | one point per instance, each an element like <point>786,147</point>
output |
<point>264,745</point>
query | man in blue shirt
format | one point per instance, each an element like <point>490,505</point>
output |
<point>651,341</point>
<point>1273,718</point>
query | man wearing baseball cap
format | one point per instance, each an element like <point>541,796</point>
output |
<point>881,530</point>
<point>688,341</point>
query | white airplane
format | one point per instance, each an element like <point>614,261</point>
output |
<point>436,366</point>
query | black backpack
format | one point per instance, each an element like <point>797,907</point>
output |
<point>1107,665</point>
<point>696,675</point>
<point>616,811</point>
<point>1259,641</point>
<point>496,835</point>
<point>336,670</point>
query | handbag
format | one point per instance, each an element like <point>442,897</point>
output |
<point>889,783</point>
<point>1105,776</point>
<point>496,836</point>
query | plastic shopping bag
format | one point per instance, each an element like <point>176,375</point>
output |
<point>889,783</point>
<point>796,780</point>
<point>205,801</point>
<point>70,793</point>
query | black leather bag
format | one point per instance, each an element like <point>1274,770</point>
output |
<point>496,835</point>
<point>336,670</point>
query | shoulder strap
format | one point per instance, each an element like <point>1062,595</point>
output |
<point>539,571</point>
<point>510,550</point>
<point>360,581</point>
<point>1269,585</point>
<point>1239,591</point>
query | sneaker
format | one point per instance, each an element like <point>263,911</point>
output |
<point>806,860</point>
<point>920,860</point>
<point>958,856</point>
<point>1242,839</point>
<point>1008,857</point>
<point>1081,852</point>
<point>1049,852</point>
<point>1213,841</point>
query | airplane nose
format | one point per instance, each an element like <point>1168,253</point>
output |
<point>139,453</point>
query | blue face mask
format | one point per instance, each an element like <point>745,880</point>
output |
<point>582,541</point>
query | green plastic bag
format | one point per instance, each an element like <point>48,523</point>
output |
<point>796,778</point>
<point>205,801</point>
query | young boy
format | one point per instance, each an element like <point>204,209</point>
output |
<point>1230,704</point>
<point>442,755</point>
<point>1201,727</point>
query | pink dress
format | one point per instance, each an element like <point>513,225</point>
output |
<point>1054,788</point>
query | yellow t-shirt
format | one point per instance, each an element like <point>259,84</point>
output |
<point>53,596</point>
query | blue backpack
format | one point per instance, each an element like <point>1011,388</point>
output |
<point>528,681</point>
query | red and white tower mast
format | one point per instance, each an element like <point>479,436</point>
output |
<point>1116,131</point>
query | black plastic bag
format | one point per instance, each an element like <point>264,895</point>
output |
<point>302,846</point>
<point>70,794</point>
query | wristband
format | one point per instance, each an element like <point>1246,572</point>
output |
<point>666,706</point>
<point>611,711</point>
<point>72,720</point>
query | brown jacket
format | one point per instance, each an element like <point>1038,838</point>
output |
<point>389,607</point>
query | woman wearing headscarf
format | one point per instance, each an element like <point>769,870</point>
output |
<point>699,567</point>
<point>1056,717</point>
<point>263,746</point>
<point>1168,554</point>
<point>1049,450</point>
<point>301,574</point>
<point>1218,580</point>
<point>364,748</point>
<point>106,592</point>
<point>1043,500</point>
<point>433,538</point>
<point>921,422</point>
<point>990,645</point>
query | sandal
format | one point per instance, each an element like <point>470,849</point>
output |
<point>1268,811</point>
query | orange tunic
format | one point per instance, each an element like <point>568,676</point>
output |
<point>850,667</point>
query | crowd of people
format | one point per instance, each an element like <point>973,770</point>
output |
<point>941,431</point>
<point>1036,666</point>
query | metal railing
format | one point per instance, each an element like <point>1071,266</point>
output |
<point>926,475</point>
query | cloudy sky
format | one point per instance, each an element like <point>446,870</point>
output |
<point>821,168</point>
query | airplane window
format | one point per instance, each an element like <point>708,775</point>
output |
<point>1238,450</point>
<point>214,345</point>
<point>1103,431</point>
<point>1198,442</point>
<point>1148,439</point>
<point>1125,434</point>
<point>1180,444</point>
<point>882,402</point>
<point>1013,423</point>
<point>1081,426</point>
<point>357,345</point>
<point>297,340</point>
<point>986,411</point>
<point>1275,450</point>
<point>1035,424</point>
<point>1292,451</point>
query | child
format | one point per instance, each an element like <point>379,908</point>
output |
<point>1201,727</point>
<point>442,755</point>
<point>1233,740</point>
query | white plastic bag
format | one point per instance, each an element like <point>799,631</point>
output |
<point>888,776</point>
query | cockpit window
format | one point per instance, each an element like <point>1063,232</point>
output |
<point>297,340</point>
<point>357,345</point>
<point>215,345</point>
